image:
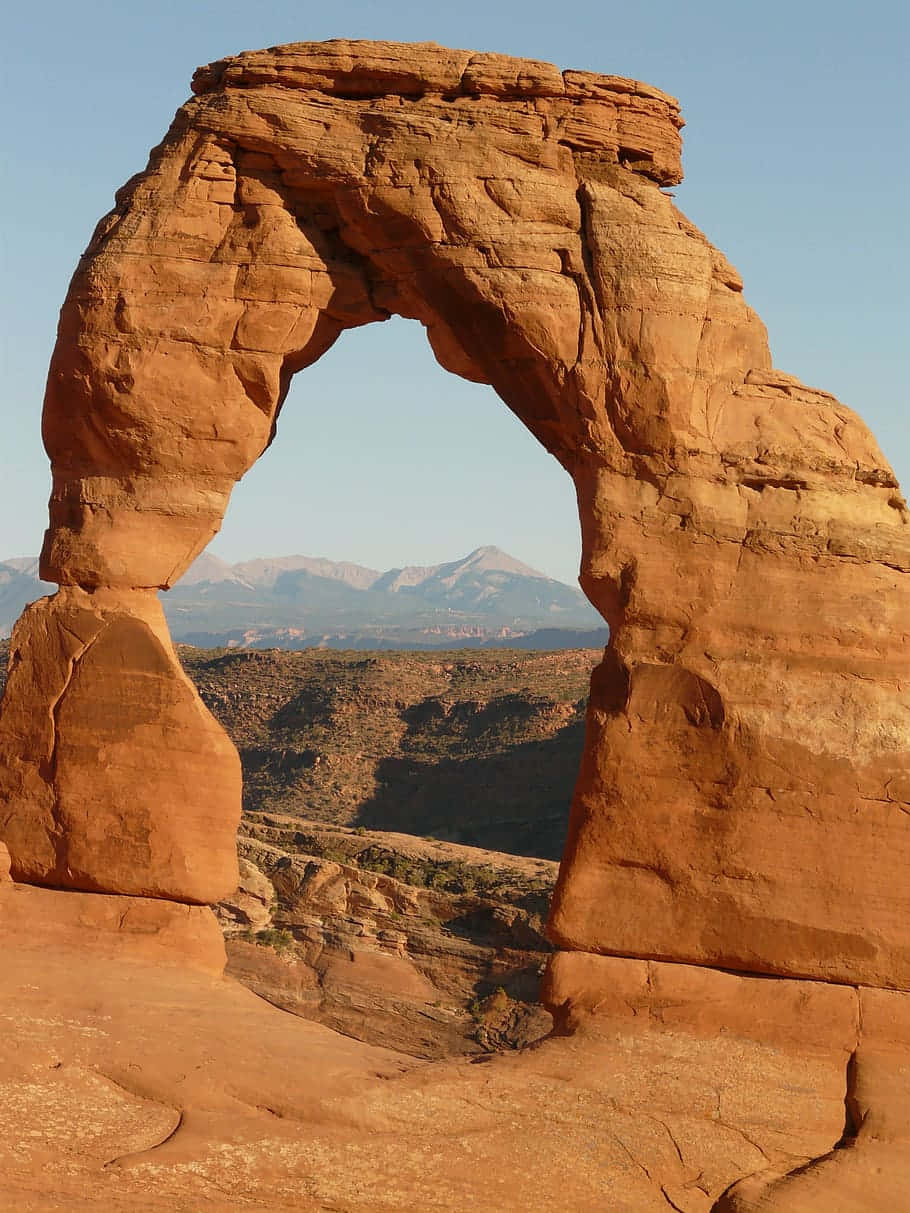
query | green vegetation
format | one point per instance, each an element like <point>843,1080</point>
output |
<point>272,937</point>
<point>493,1007</point>
<point>451,876</point>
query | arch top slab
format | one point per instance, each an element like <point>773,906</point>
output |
<point>302,191</point>
<point>745,791</point>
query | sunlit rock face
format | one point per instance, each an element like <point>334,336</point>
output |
<point>744,793</point>
<point>115,777</point>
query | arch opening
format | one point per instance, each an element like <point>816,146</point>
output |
<point>428,788</point>
<point>382,458</point>
<point>730,515</point>
<point>480,745</point>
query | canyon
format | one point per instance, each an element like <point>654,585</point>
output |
<point>728,985</point>
<point>359,906</point>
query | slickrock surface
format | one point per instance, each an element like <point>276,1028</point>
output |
<point>146,929</point>
<point>744,792</point>
<point>145,1087</point>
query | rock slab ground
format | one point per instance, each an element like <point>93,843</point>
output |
<point>134,1084</point>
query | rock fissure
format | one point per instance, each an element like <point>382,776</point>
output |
<point>746,1137</point>
<point>50,769</point>
<point>669,1200</point>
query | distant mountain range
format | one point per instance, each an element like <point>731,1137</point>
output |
<point>19,585</point>
<point>487,599</point>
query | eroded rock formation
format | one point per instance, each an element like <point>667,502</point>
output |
<point>426,947</point>
<point>742,800</point>
<point>114,776</point>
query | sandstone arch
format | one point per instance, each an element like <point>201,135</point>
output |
<point>744,794</point>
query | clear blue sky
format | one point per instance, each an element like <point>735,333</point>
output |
<point>797,166</point>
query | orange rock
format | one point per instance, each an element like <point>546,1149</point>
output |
<point>89,928</point>
<point>678,1097</point>
<point>590,993</point>
<point>115,777</point>
<point>744,793</point>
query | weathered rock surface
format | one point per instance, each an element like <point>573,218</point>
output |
<point>806,1026</point>
<point>743,798</point>
<point>104,928</point>
<point>130,1085</point>
<point>427,947</point>
<point>113,776</point>
<point>249,908</point>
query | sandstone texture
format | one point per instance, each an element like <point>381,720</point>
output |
<point>427,947</point>
<point>113,775</point>
<point>100,928</point>
<point>744,792</point>
<point>134,1085</point>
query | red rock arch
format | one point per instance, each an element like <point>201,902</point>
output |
<point>742,534</point>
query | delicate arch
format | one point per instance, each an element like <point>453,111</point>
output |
<point>742,534</point>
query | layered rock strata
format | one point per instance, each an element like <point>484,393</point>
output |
<point>744,792</point>
<point>427,947</point>
<point>106,928</point>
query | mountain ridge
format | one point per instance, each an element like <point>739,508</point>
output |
<point>487,598</point>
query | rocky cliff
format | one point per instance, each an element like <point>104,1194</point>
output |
<point>426,947</point>
<point>348,914</point>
